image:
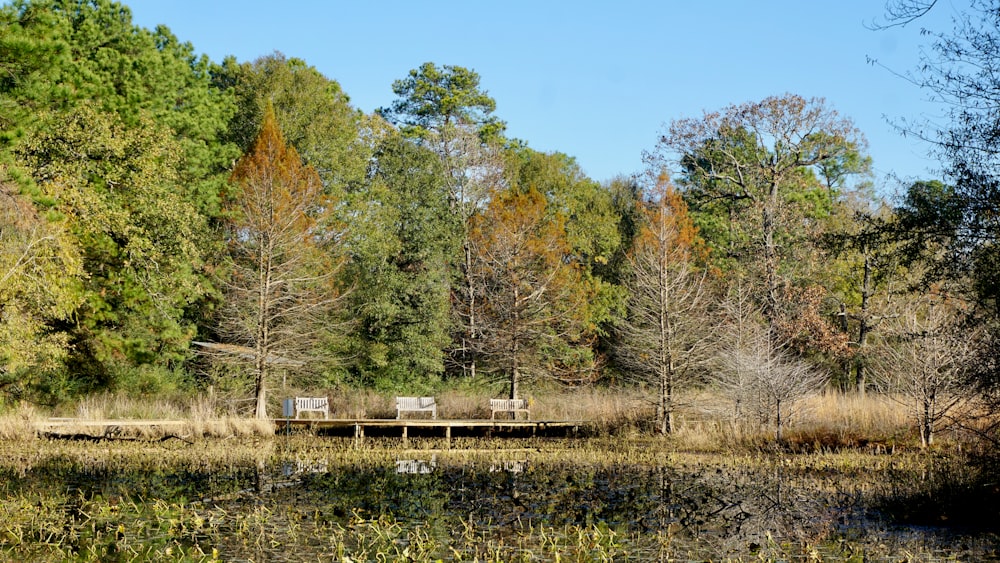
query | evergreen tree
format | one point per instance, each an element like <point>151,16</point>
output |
<point>139,236</point>
<point>402,246</point>
<point>312,110</point>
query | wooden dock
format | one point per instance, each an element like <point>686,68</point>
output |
<point>447,428</point>
<point>358,428</point>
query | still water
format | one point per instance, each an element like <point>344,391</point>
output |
<point>529,504</point>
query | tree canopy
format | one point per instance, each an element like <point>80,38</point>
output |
<point>158,207</point>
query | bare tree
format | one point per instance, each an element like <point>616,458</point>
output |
<point>664,336</point>
<point>282,283</point>
<point>924,361</point>
<point>756,370</point>
<point>900,13</point>
<point>476,169</point>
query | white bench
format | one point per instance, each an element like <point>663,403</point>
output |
<point>312,404</point>
<point>509,405</point>
<point>416,404</point>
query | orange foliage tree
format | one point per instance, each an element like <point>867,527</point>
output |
<point>533,300</point>
<point>799,321</point>
<point>281,288</point>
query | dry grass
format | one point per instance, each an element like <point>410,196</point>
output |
<point>824,422</point>
<point>142,418</point>
<point>831,420</point>
<point>104,406</point>
<point>19,424</point>
<point>872,415</point>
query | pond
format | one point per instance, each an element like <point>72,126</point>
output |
<point>320,499</point>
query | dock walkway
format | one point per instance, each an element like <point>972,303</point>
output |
<point>353,427</point>
<point>357,427</point>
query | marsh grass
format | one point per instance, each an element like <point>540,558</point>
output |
<point>837,420</point>
<point>827,421</point>
<point>104,406</point>
<point>19,424</point>
<point>830,420</point>
<point>149,419</point>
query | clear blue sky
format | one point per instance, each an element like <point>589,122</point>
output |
<point>595,80</point>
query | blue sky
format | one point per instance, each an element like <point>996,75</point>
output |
<point>595,80</point>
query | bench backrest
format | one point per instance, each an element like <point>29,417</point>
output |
<point>415,403</point>
<point>311,403</point>
<point>508,404</point>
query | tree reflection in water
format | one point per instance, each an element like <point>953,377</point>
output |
<point>766,506</point>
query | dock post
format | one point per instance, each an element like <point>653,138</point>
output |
<point>406,438</point>
<point>447,435</point>
<point>359,434</point>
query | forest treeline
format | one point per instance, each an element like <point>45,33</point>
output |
<point>169,222</point>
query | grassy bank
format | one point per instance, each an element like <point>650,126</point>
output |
<point>831,421</point>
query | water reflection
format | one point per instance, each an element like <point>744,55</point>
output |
<point>509,466</point>
<point>298,467</point>
<point>416,466</point>
<point>697,511</point>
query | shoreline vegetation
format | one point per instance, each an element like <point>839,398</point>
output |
<point>849,482</point>
<point>638,498</point>
<point>778,360</point>
<point>830,420</point>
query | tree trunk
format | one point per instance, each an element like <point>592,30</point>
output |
<point>665,413</point>
<point>770,251</point>
<point>262,344</point>
<point>778,422</point>
<point>514,377</point>
<point>662,409</point>
<point>927,424</point>
<point>261,398</point>
<point>864,328</point>
<point>470,288</point>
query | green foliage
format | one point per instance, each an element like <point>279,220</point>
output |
<point>115,130</point>
<point>432,99</point>
<point>138,235</point>
<point>591,225</point>
<point>313,112</point>
<point>929,219</point>
<point>591,220</point>
<point>68,53</point>
<point>40,286</point>
<point>402,245</point>
<point>115,145</point>
<point>959,69</point>
<point>626,198</point>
